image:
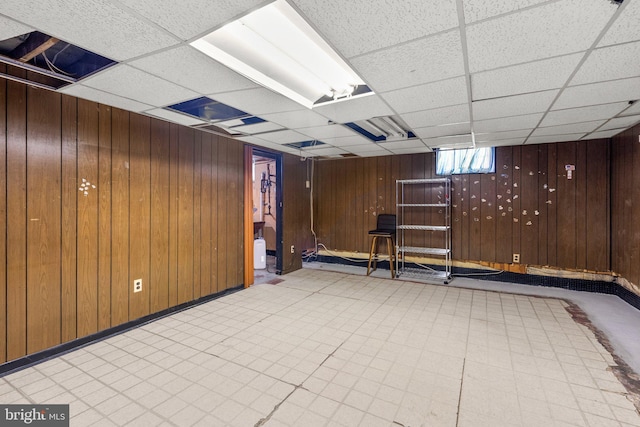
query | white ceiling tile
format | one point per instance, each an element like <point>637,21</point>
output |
<point>284,137</point>
<point>477,10</point>
<point>358,26</point>
<point>625,28</point>
<point>603,134</point>
<point>189,18</point>
<point>355,109</point>
<point>552,29</point>
<point>545,139</point>
<point>599,93</point>
<point>327,131</point>
<point>537,102</point>
<point>323,150</point>
<point>127,81</point>
<point>431,95</point>
<point>95,25</point>
<point>259,128</point>
<point>420,61</point>
<point>610,63</point>
<point>631,110</point>
<point>257,101</point>
<point>508,135</point>
<point>174,117</point>
<point>507,123</point>
<point>449,141</point>
<point>105,98</point>
<point>621,123</point>
<point>423,149</point>
<point>500,143</point>
<point>444,130</point>
<point>530,77</point>
<point>296,119</point>
<point>10,28</point>
<point>412,143</point>
<point>581,114</point>
<point>189,68</point>
<point>583,127</point>
<point>437,116</point>
<point>368,150</point>
<point>347,141</point>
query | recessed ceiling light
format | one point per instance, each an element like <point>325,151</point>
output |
<point>275,47</point>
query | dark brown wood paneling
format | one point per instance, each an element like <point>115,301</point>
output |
<point>87,252</point>
<point>597,212</point>
<point>160,174</point>
<point>16,220</point>
<point>43,219</point>
<point>475,236</point>
<point>205,215</point>
<point>529,204</point>
<point>174,203</point>
<point>488,219</point>
<point>514,201</point>
<point>566,201</point>
<point>504,208</point>
<point>186,147</point>
<point>120,286</point>
<point>222,214</point>
<point>215,207</point>
<point>139,213</point>
<point>542,216</point>
<point>551,205</point>
<point>70,195</point>
<point>237,163</point>
<point>3,220</point>
<point>104,218</point>
<point>197,216</point>
<point>581,205</point>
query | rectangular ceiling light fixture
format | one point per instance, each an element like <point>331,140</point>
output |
<point>275,47</point>
<point>383,129</point>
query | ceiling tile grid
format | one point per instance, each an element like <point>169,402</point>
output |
<point>10,28</point>
<point>126,81</point>
<point>534,76</point>
<point>192,17</point>
<point>431,95</point>
<point>359,26</point>
<point>548,30</point>
<point>538,70</point>
<point>420,61</point>
<point>98,26</point>
<point>189,68</point>
<point>610,63</point>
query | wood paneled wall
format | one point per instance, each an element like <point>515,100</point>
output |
<point>92,198</point>
<point>296,211</point>
<point>529,206</point>
<point>625,204</point>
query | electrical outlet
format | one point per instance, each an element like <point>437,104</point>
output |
<point>516,258</point>
<point>293,249</point>
<point>137,285</point>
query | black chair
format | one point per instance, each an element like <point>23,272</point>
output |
<point>385,228</point>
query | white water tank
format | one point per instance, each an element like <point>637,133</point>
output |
<point>259,254</point>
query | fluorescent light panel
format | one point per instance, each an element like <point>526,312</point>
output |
<point>277,48</point>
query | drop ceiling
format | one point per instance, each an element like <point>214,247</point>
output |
<point>512,72</point>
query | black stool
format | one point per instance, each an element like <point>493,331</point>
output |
<point>385,228</point>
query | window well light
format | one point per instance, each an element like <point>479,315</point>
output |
<point>275,47</point>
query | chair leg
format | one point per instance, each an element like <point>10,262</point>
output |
<point>373,246</point>
<point>391,256</point>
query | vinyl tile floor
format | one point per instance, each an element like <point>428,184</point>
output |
<point>340,349</point>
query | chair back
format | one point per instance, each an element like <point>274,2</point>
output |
<point>386,222</point>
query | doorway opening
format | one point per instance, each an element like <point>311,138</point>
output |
<point>266,206</point>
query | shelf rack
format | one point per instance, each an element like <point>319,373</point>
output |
<point>407,232</point>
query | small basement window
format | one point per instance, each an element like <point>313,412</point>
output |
<point>470,160</point>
